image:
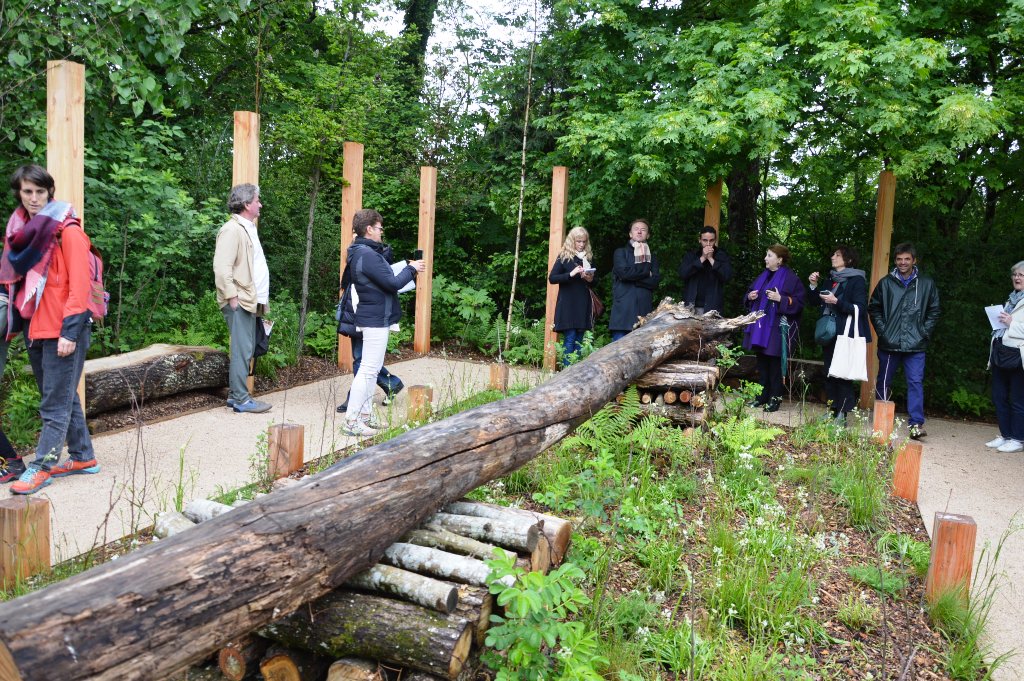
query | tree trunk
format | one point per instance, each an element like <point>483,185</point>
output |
<point>304,303</point>
<point>438,563</point>
<point>439,538</point>
<point>557,530</point>
<point>234,573</point>
<point>744,188</point>
<point>345,624</point>
<point>157,371</point>
<point>511,535</point>
<point>680,375</point>
<point>425,591</point>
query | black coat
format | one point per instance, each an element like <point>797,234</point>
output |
<point>904,317</point>
<point>573,310</point>
<point>376,284</point>
<point>850,292</point>
<point>633,289</point>
<point>696,274</point>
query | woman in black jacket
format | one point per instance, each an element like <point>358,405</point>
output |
<point>844,288</point>
<point>377,312</point>
<point>574,275</point>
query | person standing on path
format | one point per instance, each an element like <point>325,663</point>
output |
<point>242,277</point>
<point>46,266</point>
<point>704,272</point>
<point>636,274</point>
<point>1005,360</point>
<point>904,310</point>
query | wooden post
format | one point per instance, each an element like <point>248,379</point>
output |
<point>245,168</point>
<point>499,377</point>
<point>425,281</point>
<point>879,267</point>
<point>24,538</point>
<point>65,142</point>
<point>884,421</point>
<point>351,202</point>
<point>559,200</point>
<point>286,442</point>
<point>420,397</point>
<point>953,538</point>
<point>907,471</point>
<point>713,206</point>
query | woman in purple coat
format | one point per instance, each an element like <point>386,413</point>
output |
<point>778,293</point>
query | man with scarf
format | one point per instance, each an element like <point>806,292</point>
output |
<point>636,275</point>
<point>904,310</point>
<point>242,278</point>
<point>45,266</point>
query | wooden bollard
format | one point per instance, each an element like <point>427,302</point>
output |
<point>953,538</point>
<point>907,471</point>
<point>885,419</point>
<point>499,377</point>
<point>24,538</point>
<point>420,397</point>
<point>286,448</point>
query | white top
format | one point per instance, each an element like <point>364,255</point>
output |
<point>260,271</point>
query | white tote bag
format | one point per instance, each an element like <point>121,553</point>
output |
<point>850,359</point>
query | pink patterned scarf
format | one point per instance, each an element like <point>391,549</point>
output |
<point>28,248</point>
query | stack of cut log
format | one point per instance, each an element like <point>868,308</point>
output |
<point>682,391</point>
<point>425,608</point>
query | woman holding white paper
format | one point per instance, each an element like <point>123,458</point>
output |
<point>574,275</point>
<point>1005,354</point>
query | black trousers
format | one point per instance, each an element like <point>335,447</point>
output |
<point>840,393</point>
<point>769,368</point>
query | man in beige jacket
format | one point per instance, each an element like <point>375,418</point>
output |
<point>243,289</point>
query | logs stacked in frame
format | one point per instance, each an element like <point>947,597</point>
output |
<point>681,391</point>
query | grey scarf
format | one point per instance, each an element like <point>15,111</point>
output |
<point>1011,303</point>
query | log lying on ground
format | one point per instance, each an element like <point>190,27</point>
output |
<point>240,659</point>
<point>512,535</point>
<point>157,371</point>
<point>430,593</point>
<point>170,523</point>
<point>355,669</point>
<point>439,538</point>
<point>680,375</point>
<point>557,530</point>
<point>679,414</point>
<point>345,624</point>
<point>438,563</point>
<point>476,603</point>
<point>284,664</point>
<point>234,573</point>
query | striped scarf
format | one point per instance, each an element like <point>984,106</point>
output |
<point>27,251</point>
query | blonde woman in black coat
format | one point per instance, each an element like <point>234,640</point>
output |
<point>574,275</point>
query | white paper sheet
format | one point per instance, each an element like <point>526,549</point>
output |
<point>992,311</point>
<point>398,267</point>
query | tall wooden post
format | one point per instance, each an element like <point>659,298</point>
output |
<point>713,206</point>
<point>879,267</point>
<point>351,202</point>
<point>65,142</point>
<point>425,281</point>
<point>559,201</point>
<point>24,539</point>
<point>245,168</point>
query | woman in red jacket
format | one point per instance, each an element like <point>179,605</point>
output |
<point>45,264</point>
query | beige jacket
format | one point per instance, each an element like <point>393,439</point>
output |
<point>232,266</point>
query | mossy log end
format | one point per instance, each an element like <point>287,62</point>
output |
<point>235,573</point>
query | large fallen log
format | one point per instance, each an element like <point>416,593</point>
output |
<point>157,371</point>
<point>689,375</point>
<point>174,602</point>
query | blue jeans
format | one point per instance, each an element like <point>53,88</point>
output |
<point>572,341</point>
<point>913,369</point>
<point>616,335</point>
<point>1008,398</point>
<point>59,407</point>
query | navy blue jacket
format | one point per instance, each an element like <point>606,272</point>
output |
<point>376,285</point>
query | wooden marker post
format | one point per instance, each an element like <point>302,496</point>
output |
<point>884,421</point>
<point>286,448</point>
<point>65,142</point>
<point>351,202</point>
<point>907,471</point>
<point>24,538</point>
<point>953,538</point>
<point>420,397</point>
<point>499,377</point>
<point>245,168</point>
<point>879,268</point>
<point>425,281</point>
<point>713,206</point>
<point>559,200</point>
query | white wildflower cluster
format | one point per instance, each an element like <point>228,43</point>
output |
<point>643,633</point>
<point>831,543</point>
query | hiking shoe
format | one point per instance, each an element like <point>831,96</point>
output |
<point>251,406</point>
<point>31,481</point>
<point>1011,446</point>
<point>11,469</point>
<point>70,466</point>
<point>917,432</point>
<point>358,429</point>
<point>998,442</point>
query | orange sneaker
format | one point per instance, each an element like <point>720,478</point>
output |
<point>70,466</point>
<point>31,481</point>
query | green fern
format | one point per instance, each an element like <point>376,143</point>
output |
<point>605,429</point>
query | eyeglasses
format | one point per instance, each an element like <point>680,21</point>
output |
<point>1017,275</point>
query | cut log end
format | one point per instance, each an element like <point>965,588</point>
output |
<point>460,653</point>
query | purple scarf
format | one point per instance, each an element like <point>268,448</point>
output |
<point>758,334</point>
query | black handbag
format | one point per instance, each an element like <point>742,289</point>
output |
<point>825,330</point>
<point>262,346</point>
<point>346,316</point>
<point>1007,359</point>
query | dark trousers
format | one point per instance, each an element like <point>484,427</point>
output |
<point>841,395</point>
<point>913,369</point>
<point>1008,398</point>
<point>769,368</point>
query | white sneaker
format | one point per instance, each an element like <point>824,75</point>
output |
<point>1011,446</point>
<point>998,442</point>
<point>358,429</point>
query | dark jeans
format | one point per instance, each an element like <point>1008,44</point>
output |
<point>388,382</point>
<point>769,368</point>
<point>59,407</point>
<point>572,341</point>
<point>841,395</point>
<point>913,369</point>
<point>1008,398</point>
<point>616,335</point>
